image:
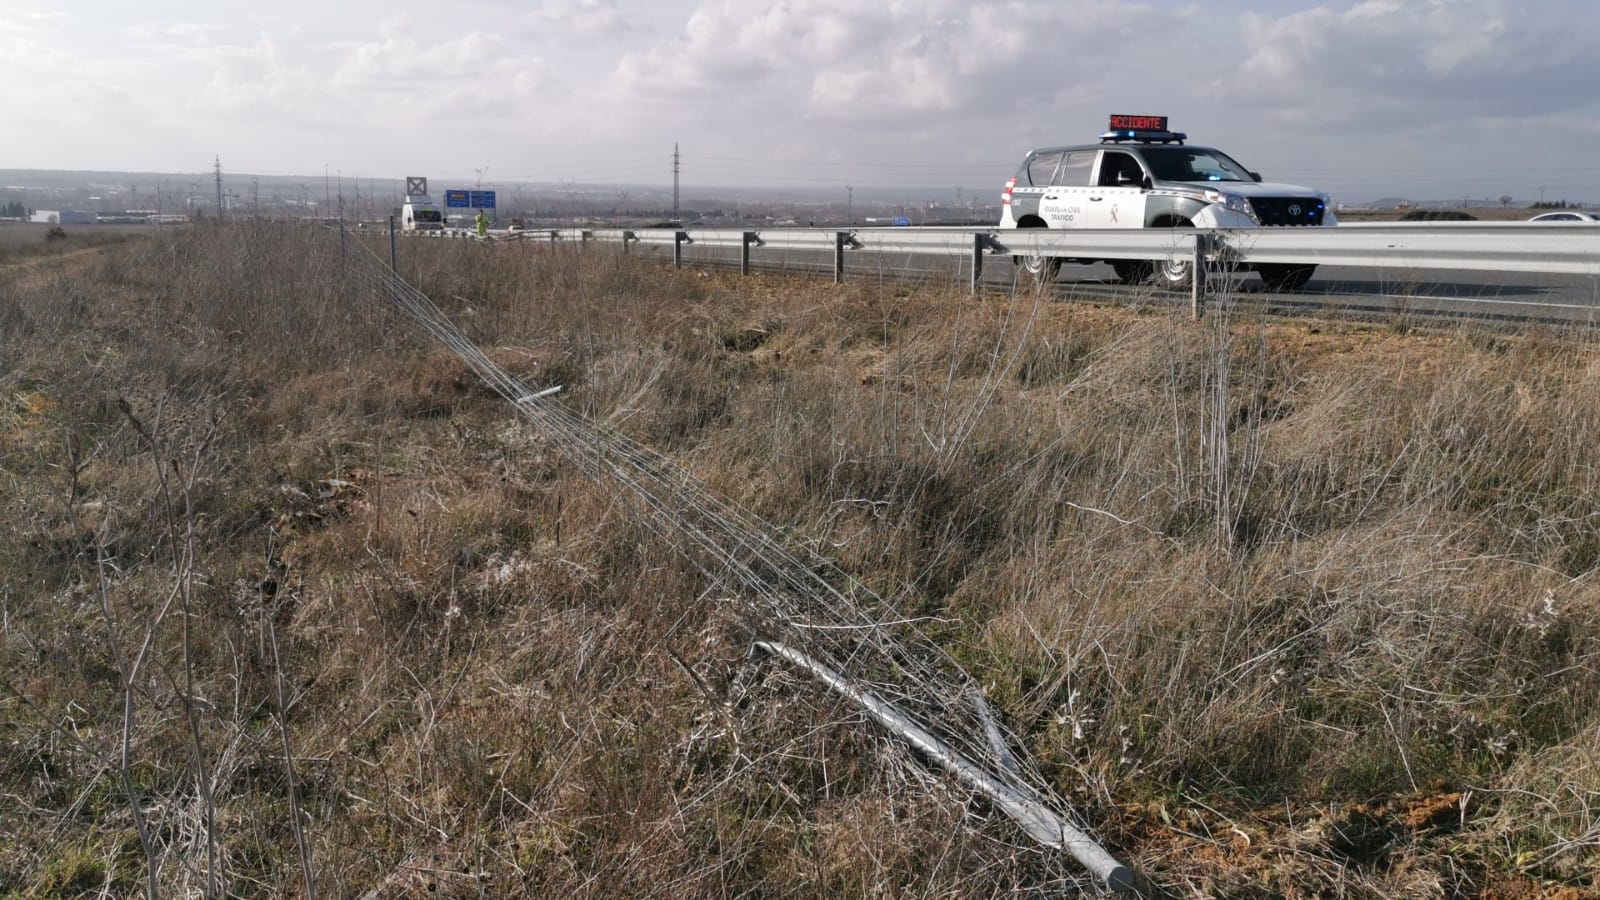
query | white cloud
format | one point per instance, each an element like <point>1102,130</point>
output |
<point>848,61</point>
<point>399,59</point>
<point>173,34</point>
<point>580,18</point>
<point>31,21</point>
<point>470,80</point>
<point>1388,64</point>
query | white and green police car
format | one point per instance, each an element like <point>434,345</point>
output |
<point>1141,175</point>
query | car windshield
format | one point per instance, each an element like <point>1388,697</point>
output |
<point>1193,164</point>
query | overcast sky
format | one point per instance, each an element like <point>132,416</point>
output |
<point>1421,98</point>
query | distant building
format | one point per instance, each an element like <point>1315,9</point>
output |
<point>63,217</point>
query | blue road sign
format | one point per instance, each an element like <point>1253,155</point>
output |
<point>482,200</point>
<point>902,220</point>
<point>457,199</point>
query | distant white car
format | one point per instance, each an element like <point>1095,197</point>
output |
<point>1569,216</point>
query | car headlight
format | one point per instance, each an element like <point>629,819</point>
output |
<point>1235,202</point>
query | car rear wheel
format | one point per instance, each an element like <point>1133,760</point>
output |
<point>1285,277</point>
<point>1042,269</point>
<point>1039,269</point>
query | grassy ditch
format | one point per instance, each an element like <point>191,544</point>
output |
<point>288,599</point>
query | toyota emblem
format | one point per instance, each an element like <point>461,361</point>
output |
<point>1294,209</point>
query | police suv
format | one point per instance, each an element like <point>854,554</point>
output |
<point>1141,175</point>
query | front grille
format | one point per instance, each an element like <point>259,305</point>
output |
<point>1288,210</point>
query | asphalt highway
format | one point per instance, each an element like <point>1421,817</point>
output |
<point>1505,296</point>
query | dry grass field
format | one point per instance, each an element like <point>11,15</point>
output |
<point>290,603</point>
<point>24,240</point>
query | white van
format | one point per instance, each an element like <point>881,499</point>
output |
<point>421,214</point>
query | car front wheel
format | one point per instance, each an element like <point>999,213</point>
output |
<point>1285,277</point>
<point>1176,271</point>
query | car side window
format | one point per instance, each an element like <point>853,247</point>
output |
<point>1042,167</point>
<point>1114,164</point>
<point>1170,164</point>
<point>1074,171</point>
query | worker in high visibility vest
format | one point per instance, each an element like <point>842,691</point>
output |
<point>483,224</point>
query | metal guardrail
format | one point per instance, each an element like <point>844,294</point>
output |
<point>1402,248</point>
<point>1480,246</point>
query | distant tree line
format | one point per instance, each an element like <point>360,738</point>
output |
<point>13,210</point>
<point>1548,204</point>
<point>1438,215</point>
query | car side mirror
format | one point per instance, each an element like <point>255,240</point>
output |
<point>1147,183</point>
<point>1255,176</point>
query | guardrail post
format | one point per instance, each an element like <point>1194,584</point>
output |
<point>839,239</point>
<point>585,236</point>
<point>394,256</point>
<point>1197,274</point>
<point>744,252</point>
<point>979,241</point>
<point>628,238</point>
<point>678,240</point>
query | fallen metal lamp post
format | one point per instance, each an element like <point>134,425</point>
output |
<point>1039,821</point>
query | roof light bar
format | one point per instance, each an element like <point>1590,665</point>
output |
<point>1143,129</point>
